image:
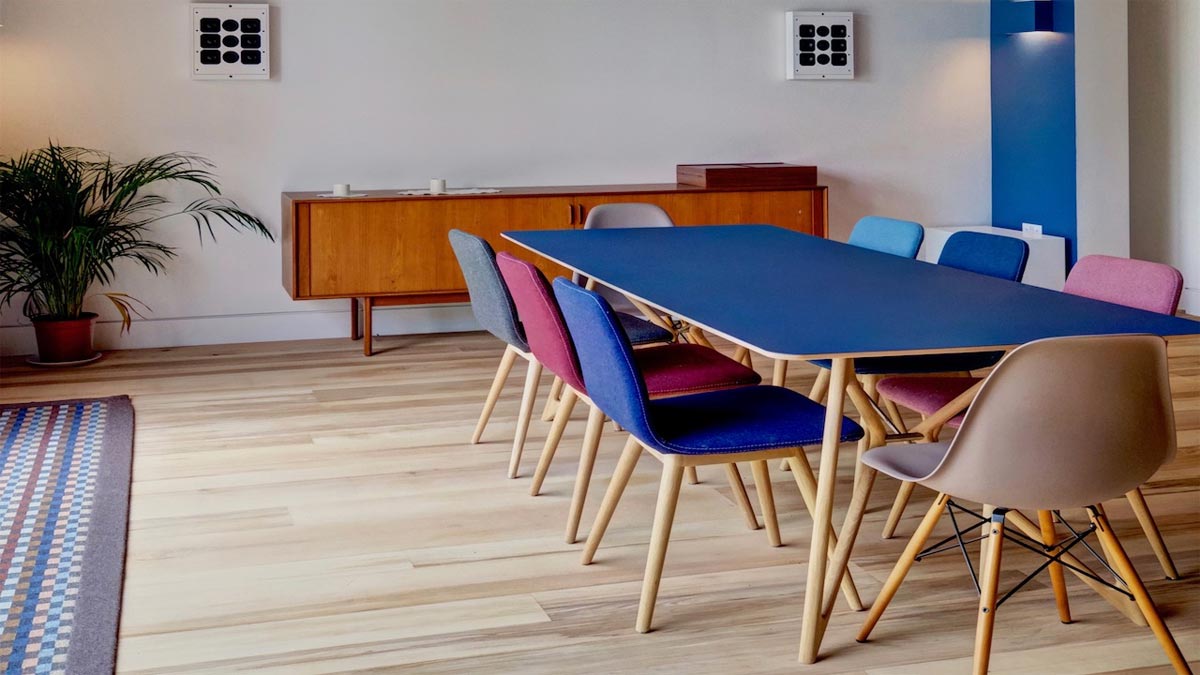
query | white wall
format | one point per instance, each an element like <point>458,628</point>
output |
<point>1164,105</point>
<point>388,93</point>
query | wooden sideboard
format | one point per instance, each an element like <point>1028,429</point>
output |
<point>385,248</point>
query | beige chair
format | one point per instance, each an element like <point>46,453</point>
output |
<point>1059,424</point>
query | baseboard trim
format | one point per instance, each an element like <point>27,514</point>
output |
<point>265,327</point>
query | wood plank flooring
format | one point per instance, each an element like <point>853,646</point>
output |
<point>298,508</point>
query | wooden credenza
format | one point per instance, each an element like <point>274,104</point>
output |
<point>391,249</point>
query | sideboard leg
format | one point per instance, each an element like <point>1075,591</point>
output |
<point>368,310</point>
<point>355,333</point>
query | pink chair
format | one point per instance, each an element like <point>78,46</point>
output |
<point>670,370</point>
<point>1140,284</point>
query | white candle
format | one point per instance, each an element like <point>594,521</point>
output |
<point>341,190</point>
<point>437,186</point>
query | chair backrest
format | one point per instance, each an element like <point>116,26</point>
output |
<point>1064,423</point>
<point>490,300</point>
<point>613,381</point>
<point>626,215</point>
<point>990,254</point>
<point>1141,284</point>
<point>888,235</point>
<point>545,329</point>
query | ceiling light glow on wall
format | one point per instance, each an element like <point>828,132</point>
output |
<point>1023,16</point>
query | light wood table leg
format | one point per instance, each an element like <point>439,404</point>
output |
<point>738,488</point>
<point>506,364</point>
<point>779,374</point>
<point>355,327</point>
<point>807,484</point>
<point>368,330</point>
<point>814,590</point>
<point>562,416</point>
<point>1142,510</point>
<point>1057,579</point>
<point>532,378</point>
<point>583,478</point>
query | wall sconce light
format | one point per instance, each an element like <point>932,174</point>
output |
<point>1022,16</point>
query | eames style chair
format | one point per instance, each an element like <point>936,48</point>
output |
<point>619,216</point>
<point>494,310</point>
<point>1041,436</point>
<point>747,424</point>
<point>668,370</point>
<point>1151,286</point>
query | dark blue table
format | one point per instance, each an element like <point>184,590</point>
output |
<point>792,296</point>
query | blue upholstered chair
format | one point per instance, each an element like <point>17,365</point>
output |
<point>494,310</point>
<point>748,424</point>
<point>888,235</point>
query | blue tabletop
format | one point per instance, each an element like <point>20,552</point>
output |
<point>791,295</point>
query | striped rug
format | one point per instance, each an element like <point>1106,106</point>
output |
<point>64,504</point>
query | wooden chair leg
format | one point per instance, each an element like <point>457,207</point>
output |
<point>903,565</point>
<point>583,478</point>
<point>1138,589</point>
<point>532,377</point>
<point>664,517</point>
<point>989,584</point>
<point>779,375</point>
<point>1057,578</point>
<point>893,413</point>
<point>552,400</point>
<point>766,500</point>
<point>898,506</point>
<point>739,495</point>
<point>806,482</point>
<point>355,326</point>
<point>741,354</point>
<point>693,478</point>
<point>1146,519</point>
<point>562,415</point>
<point>368,330</point>
<point>629,460</point>
<point>506,364</point>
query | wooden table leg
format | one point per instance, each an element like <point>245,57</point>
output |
<point>368,312</point>
<point>355,328</point>
<point>814,590</point>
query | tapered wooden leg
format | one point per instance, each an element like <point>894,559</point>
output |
<point>552,400</point>
<point>819,389</point>
<point>629,460</point>
<point>532,377</point>
<point>766,500</point>
<point>739,495</point>
<point>986,510</point>
<point>506,364</point>
<point>1057,579</point>
<point>1142,510</point>
<point>903,565</point>
<point>664,517</point>
<point>355,327</point>
<point>741,354</point>
<point>898,506</point>
<point>693,478</point>
<point>989,584</point>
<point>779,375</point>
<point>893,413</point>
<point>814,590</point>
<point>561,417</point>
<point>807,483</point>
<point>1138,589</point>
<point>583,478</point>
<point>368,330</point>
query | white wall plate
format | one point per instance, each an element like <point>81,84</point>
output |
<point>820,45</point>
<point>231,41</point>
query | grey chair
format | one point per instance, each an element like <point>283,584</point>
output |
<point>495,311</point>
<point>1061,423</point>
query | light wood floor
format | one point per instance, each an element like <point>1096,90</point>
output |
<point>298,508</point>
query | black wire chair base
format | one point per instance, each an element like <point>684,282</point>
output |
<point>1053,553</point>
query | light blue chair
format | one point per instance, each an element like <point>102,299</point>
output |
<point>888,235</point>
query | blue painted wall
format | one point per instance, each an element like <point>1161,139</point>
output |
<point>1033,126</point>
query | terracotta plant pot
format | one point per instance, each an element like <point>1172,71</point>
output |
<point>65,340</point>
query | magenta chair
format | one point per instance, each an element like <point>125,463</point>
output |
<point>669,370</point>
<point>1151,286</point>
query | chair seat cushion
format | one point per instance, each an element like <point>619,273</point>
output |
<point>672,370</point>
<point>642,332</point>
<point>740,420</point>
<point>907,462</point>
<point>921,363</point>
<point>926,395</point>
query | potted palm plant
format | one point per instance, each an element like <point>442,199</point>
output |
<point>68,215</point>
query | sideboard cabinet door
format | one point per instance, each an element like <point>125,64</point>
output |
<point>799,210</point>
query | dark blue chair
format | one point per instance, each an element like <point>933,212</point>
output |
<point>749,424</point>
<point>888,235</point>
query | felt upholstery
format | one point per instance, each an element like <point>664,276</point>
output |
<point>1151,286</point>
<point>921,363</point>
<point>667,369</point>
<point>888,235</point>
<point>926,395</point>
<point>734,420</point>
<point>990,254</point>
<point>642,332</point>
<point>490,301</point>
